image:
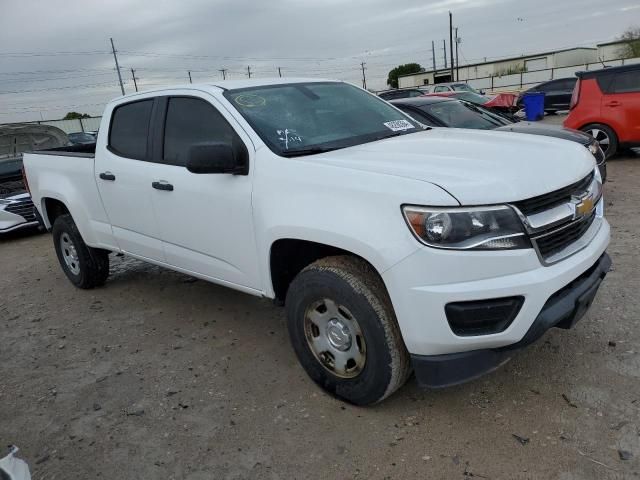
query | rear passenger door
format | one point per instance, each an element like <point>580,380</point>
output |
<point>205,220</point>
<point>557,94</point>
<point>123,171</point>
<point>621,104</point>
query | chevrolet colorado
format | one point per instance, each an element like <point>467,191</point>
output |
<point>394,247</point>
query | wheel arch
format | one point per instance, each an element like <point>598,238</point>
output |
<point>52,208</point>
<point>289,256</point>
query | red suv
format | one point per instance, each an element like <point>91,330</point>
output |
<point>606,104</point>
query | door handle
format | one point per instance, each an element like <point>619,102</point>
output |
<point>613,103</point>
<point>107,176</point>
<point>162,185</point>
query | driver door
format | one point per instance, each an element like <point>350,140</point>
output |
<point>205,220</point>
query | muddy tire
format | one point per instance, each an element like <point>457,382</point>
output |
<point>84,266</point>
<point>344,331</point>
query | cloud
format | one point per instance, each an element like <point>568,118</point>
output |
<point>163,39</point>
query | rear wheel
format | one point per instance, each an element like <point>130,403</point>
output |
<point>605,136</point>
<point>84,266</point>
<point>344,331</point>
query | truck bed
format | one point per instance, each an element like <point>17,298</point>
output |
<point>87,150</point>
<point>66,175</point>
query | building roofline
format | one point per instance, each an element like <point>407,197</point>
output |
<point>614,42</point>
<point>499,60</point>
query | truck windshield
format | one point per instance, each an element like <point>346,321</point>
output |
<point>308,118</point>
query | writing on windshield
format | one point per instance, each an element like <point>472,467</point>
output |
<point>317,116</point>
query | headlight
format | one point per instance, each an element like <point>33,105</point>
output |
<point>482,228</point>
<point>594,148</point>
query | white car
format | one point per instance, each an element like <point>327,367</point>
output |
<point>449,87</point>
<point>394,247</point>
<point>16,209</point>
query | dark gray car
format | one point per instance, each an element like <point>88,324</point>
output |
<point>448,112</point>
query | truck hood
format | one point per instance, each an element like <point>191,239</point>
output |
<point>476,167</point>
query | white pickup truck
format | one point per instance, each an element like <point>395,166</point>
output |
<point>394,247</point>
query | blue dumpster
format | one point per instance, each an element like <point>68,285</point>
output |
<point>533,106</point>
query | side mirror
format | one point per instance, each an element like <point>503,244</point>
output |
<point>217,158</point>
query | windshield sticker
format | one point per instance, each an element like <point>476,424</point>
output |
<point>288,136</point>
<point>250,100</point>
<point>398,125</point>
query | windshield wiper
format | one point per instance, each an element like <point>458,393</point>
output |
<point>307,151</point>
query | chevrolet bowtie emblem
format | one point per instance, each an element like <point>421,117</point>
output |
<point>583,207</point>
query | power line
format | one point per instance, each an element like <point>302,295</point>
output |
<point>50,54</point>
<point>46,79</point>
<point>71,70</point>
<point>57,88</point>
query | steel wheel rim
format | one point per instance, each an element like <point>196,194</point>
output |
<point>69,254</point>
<point>335,338</point>
<point>602,138</point>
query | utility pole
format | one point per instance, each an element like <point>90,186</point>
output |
<point>115,57</point>
<point>451,42</point>
<point>224,73</point>
<point>189,72</point>
<point>279,72</point>
<point>433,54</point>
<point>133,75</point>
<point>444,52</point>
<point>249,70</point>
<point>364,77</point>
<point>457,64</point>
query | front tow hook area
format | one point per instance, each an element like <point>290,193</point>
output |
<point>563,309</point>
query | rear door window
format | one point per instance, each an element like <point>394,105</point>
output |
<point>130,129</point>
<point>192,121</point>
<point>567,84</point>
<point>548,87</point>
<point>626,82</point>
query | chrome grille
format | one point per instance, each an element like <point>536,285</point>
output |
<point>550,243</point>
<point>24,208</point>
<point>547,201</point>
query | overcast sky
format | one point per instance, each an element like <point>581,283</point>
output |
<point>55,55</point>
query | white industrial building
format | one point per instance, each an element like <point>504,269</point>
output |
<point>611,50</point>
<point>516,73</point>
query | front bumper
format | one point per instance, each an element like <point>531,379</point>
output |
<point>18,212</point>
<point>563,309</point>
<point>422,284</point>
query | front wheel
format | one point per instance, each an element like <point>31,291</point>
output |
<point>84,266</point>
<point>605,136</point>
<point>344,331</point>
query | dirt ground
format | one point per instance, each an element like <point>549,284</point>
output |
<point>157,375</point>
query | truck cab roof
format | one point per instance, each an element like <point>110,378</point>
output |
<point>229,85</point>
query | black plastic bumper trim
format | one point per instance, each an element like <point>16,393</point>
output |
<point>563,310</point>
